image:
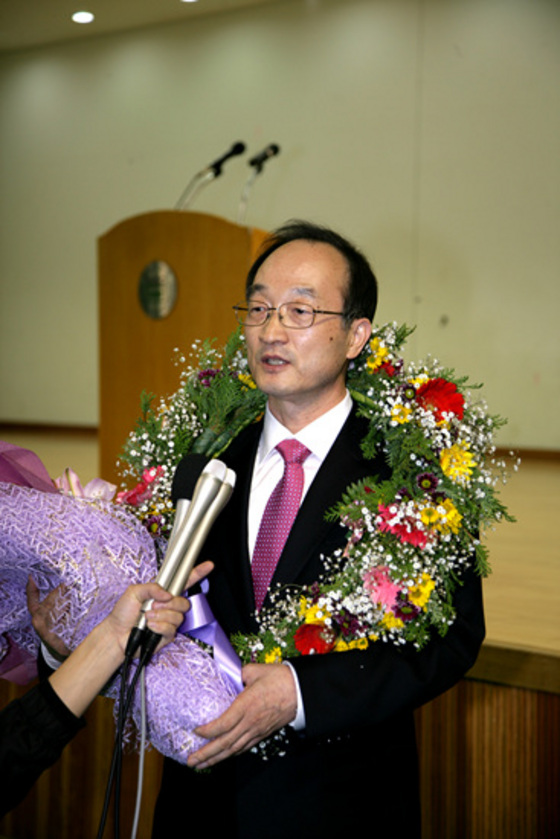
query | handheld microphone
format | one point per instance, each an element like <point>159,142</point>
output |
<point>212,491</point>
<point>183,487</point>
<point>206,489</point>
<point>193,537</point>
<point>205,507</point>
<point>260,159</point>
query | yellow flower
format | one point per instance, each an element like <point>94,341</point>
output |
<point>357,644</point>
<point>247,380</point>
<point>303,606</point>
<point>400,413</point>
<point>444,518</point>
<point>457,463</point>
<point>379,353</point>
<point>389,621</point>
<point>451,521</point>
<point>420,594</point>
<point>312,613</point>
<point>418,380</point>
<point>274,656</point>
<point>429,516</point>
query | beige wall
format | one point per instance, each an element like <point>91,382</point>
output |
<point>426,130</point>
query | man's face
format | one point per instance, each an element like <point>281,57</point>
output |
<point>303,370</point>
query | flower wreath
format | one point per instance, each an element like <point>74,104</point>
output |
<point>409,537</point>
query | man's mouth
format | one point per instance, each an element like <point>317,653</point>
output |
<point>273,361</point>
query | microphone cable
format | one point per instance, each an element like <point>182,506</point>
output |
<point>115,766</point>
<point>126,695</point>
<point>212,490</point>
<point>141,756</point>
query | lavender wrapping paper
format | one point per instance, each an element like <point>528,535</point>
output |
<point>97,550</point>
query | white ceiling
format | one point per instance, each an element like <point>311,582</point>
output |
<point>30,23</point>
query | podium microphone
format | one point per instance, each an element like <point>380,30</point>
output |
<point>257,163</point>
<point>260,159</point>
<point>216,167</point>
<point>213,170</point>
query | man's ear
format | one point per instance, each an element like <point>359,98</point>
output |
<point>359,334</point>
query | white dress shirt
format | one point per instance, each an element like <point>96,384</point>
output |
<point>318,437</point>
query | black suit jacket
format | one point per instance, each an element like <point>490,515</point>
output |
<point>357,758</point>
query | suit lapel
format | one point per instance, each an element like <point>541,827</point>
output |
<point>311,535</point>
<point>240,457</point>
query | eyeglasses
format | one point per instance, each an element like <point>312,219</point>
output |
<point>290,315</point>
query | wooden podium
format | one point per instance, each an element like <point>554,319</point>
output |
<point>209,258</point>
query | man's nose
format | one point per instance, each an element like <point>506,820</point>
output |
<point>272,326</point>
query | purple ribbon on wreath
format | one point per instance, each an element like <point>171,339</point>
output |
<point>201,625</point>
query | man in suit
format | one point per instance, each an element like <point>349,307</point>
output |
<point>351,757</point>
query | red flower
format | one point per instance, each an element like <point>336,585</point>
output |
<point>152,474</point>
<point>136,496</point>
<point>205,377</point>
<point>387,367</point>
<point>441,397</point>
<point>404,528</point>
<point>314,638</point>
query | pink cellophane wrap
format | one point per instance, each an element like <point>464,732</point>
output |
<point>97,550</point>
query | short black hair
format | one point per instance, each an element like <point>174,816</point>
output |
<point>361,295</point>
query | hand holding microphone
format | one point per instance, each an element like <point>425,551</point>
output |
<point>211,493</point>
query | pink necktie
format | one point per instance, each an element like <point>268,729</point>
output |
<point>278,517</point>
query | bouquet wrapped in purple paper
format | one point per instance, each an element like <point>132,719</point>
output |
<point>96,549</point>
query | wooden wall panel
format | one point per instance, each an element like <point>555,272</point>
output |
<point>489,764</point>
